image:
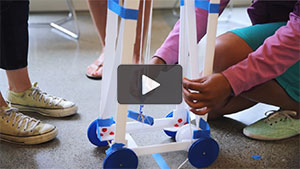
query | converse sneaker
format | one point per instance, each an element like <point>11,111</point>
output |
<point>35,100</point>
<point>20,129</point>
<point>276,126</point>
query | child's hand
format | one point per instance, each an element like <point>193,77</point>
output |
<point>203,94</point>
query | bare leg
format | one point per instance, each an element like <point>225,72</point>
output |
<point>2,101</point>
<point>98,9</point>
<point>18,80</point>
<point>227,54</point>
<point>272,93</point>
<point>136,57</point>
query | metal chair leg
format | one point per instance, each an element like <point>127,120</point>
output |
<point>230,14</point>
<point>58,24</point>
<point>174,9</point>
<point>71,17</point>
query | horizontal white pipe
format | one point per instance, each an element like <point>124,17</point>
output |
<point>138,127</point>
<point>162,148</point>
<point>130,141</point>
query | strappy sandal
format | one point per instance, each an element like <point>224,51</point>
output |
<point>95,70</point>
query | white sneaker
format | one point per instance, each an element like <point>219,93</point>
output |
<point>20,129</point>
<point>35,100</point>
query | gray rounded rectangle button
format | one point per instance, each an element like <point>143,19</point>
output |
<point>149,84</point>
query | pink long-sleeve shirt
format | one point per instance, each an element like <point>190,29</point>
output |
<point>274,57</point>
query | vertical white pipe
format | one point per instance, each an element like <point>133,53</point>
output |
<point>141,59</point>
<point>212,25</point>
<point>192,37</point>
<point>148,47</point>
<point>127,53</point>
<point>109,58</point>
<point>182,60</point>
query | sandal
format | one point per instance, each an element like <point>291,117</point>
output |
<point>95,70</point>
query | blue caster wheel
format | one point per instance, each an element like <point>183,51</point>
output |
<point>92,135</point>
<point>123,158</point>
<point>203,152</point>
<point>171,134</point>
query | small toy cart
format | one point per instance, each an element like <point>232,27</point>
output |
<point>113,129</point>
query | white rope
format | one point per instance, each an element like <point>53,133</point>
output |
<point>181,165</point>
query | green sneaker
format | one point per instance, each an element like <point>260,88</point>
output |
<point>276,126</point>
<point>20,129</point>
<point>34,100</point>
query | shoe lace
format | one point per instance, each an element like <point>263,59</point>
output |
<point>48,99</point>
<point>273,116</point>
<point>19,118</point>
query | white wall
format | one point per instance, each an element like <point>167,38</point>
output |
<point>60,5</point>
<point>56,5</point>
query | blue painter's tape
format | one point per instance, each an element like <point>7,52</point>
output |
<point>202,4</point>
<point>113,148</point>
<point>214,8</point>
<point>124,13</point>
<point>141,108</point>
<point>140,117</point>
<point>160,161</point>
<point>201,133</point>
<point>187,117</point>
<point>204,132</point>
<point>181,2</point>
<point>205,5</point>
<point>98,132</point>
<point>256,157</point>
<point>203,125</point>
<point>105,122</point>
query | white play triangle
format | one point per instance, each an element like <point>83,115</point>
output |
<point>148,84</point>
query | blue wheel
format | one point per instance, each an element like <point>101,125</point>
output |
<point>123,158</point>
<point>171,134</point>
<point>92,135</point>
<point>203,152</point>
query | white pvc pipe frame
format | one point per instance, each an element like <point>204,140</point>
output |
<point>124,56</point>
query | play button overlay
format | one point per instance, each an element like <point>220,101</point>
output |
<point>149,84</point>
